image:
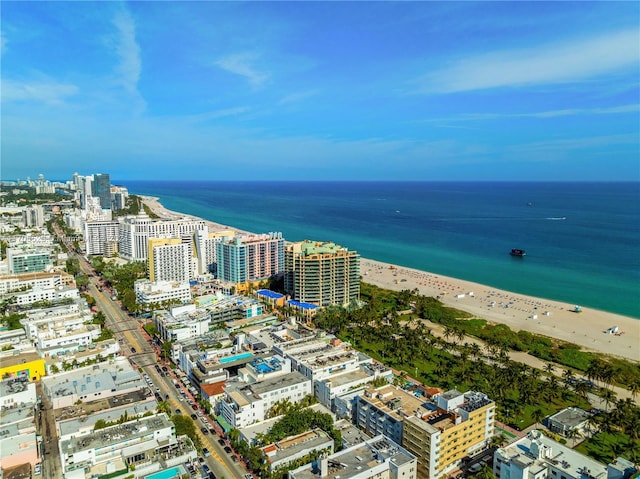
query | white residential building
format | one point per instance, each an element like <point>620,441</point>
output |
<point>101,237</point>
<point>181,323</point>
<point>246,404</point>
<point>536,456</point>
<point>26,281</point>
<point>159,292</point>
<point>47,294</point>
<point>135,232</point>
<point>377,458</point>
<point>205,243</point>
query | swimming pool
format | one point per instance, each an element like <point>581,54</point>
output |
<point>228,359</point>
<point>168,474</point>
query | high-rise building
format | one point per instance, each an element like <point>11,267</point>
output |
<point>248,258</point>
<point>322,273</point>
<point>101,237</point>
<point>135,232</point>
<point>169,259</point>
<point>33,215</point>
<point>206,248</point>
<point>101,188</point>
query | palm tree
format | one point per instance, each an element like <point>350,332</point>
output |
<point>549,368</point>
<point>537,414</point>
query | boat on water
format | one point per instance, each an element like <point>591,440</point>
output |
<point>517,252</point>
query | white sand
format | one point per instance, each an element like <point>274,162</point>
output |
<point>554,319</point>
<point>518,311</point>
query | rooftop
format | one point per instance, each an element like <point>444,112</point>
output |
<point>359,458</point>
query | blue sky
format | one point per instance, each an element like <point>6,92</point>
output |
<point>322,90</point>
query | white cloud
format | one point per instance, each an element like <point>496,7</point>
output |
<point>547,64</point>
<point>298,96</point>
<point>541,114</point>
<point>242,64</point>
<point>128,51</point>
<point>3,43</point>
<point>51,93</point>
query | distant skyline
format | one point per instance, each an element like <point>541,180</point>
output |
<point>321,90</point>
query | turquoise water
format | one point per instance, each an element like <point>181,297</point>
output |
<point>168,474</point>
<point>229,359</point>
<point>582,239</point>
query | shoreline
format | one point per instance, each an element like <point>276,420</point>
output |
<point>554,319</point>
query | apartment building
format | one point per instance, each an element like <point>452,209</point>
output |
<point>323,274</point>
<point>101,237</point>
<point>148,292</point>
<point>205,245</point>
<point>249,258</point>
<point>377,458</point>
<point>246,404</point>
<point>27,281</point>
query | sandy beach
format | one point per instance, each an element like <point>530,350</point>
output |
<point>589,328</point>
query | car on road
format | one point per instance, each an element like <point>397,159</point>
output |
<point>212,430</point>
<point>221,441</point>
<point>234,458</point>
<point>37,469</point>
<point>133,350</point>
<point>194,417</point>
<point>227,449</point>
<point>205,452</point>
<point>204,430</point>
<point>205,468</point>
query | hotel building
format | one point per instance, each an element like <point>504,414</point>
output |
<point>28,260</point>
<point>248,258</point>
<point>458,426</point>
<point>135,232</point>
<point>169,260</point>
<point>322,273</point>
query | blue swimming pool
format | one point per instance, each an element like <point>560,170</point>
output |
<point>172,473</point>
<point>228,359</point>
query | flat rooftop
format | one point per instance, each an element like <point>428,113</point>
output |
<point>126,432</point>
<point>354,461</point>
<point>394,401</point>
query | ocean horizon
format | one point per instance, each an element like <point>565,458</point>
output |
<point>581,239</point>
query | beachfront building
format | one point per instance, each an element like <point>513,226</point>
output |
<point>323,274</point>
<point>148,292</point>
<point>568,420</point>
<point>248,258</point>
<point>536,456</point>
<point>378,457</point>
<point>27,259</point>
<point>246,404</point>
<point>170,259</point>
<point>441,434</point>
<point>119,195</point>
<point>19,442</point>
<point>101,238</point>
<point>205,245</point>
<point>101,189</point>
<point>135,232</point>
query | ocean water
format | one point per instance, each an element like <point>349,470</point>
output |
<point>582,239</point>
